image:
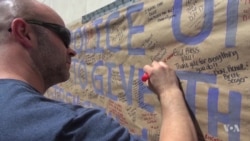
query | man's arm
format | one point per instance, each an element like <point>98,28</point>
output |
<point>177,124</point>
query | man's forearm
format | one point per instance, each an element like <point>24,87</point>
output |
<point>177,124</point>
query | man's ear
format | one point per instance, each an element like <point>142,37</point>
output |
<point>21,31</point>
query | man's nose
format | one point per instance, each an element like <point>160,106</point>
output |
<point>71,52</point>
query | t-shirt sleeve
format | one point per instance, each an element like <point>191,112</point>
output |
<point>94,125</point>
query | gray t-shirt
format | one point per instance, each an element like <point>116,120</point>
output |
<point>26,115</point>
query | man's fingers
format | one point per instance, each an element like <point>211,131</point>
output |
<point>147,68</point>
<point>163,64</point>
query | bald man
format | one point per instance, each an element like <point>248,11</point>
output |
<point>35,54</point>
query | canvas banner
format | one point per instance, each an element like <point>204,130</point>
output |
<point>207,42</point>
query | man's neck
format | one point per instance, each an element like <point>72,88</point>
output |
<point>15,64</point>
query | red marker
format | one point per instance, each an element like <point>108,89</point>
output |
<point>145,76</point>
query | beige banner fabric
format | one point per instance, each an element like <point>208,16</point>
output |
<point>207,42</point>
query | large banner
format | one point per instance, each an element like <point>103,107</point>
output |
<point>207,42</point>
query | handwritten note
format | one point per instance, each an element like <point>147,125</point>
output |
<point>156,13</point>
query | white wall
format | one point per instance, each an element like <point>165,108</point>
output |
<point>73,10</point>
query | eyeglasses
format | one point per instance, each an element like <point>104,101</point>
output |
<point>62,32</point>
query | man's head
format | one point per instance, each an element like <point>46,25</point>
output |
<point>40,33</point>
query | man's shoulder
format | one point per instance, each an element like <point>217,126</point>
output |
<point>6,85</point>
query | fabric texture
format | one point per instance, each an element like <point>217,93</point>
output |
<point>26,115</point>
